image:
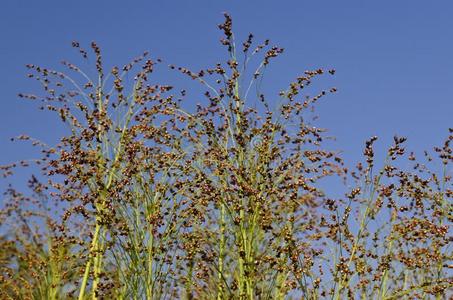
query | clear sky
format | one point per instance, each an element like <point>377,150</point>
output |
<point>394,59</point>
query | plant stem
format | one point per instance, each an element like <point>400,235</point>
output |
<point>220,289</point>
<point>94,243</point>
<point>97,265</point>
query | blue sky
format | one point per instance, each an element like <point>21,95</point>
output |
<point>394,59</point>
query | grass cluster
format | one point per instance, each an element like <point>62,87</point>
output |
<point>149,198</point>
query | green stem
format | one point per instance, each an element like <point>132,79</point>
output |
<point>220,287</point>
<point>149,285</point>
<point>189,281</point>
<point>94,243</point>
<point>343,283</point>
<point>385,276</point>
<point>97,264</point>
<point>442,203</point>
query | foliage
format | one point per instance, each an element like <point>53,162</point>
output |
<point>146,199</point>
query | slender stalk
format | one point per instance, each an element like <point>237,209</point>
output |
<point>242,275</point>
<point>220,284</point>
<point>98,229</point>
<point>442,205</point>
<point>389,251</point>
<point>149,283</point>
<point>97,264</point>
<point>189,281</point>
<point>94,243</point>
<point>363,223</point>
